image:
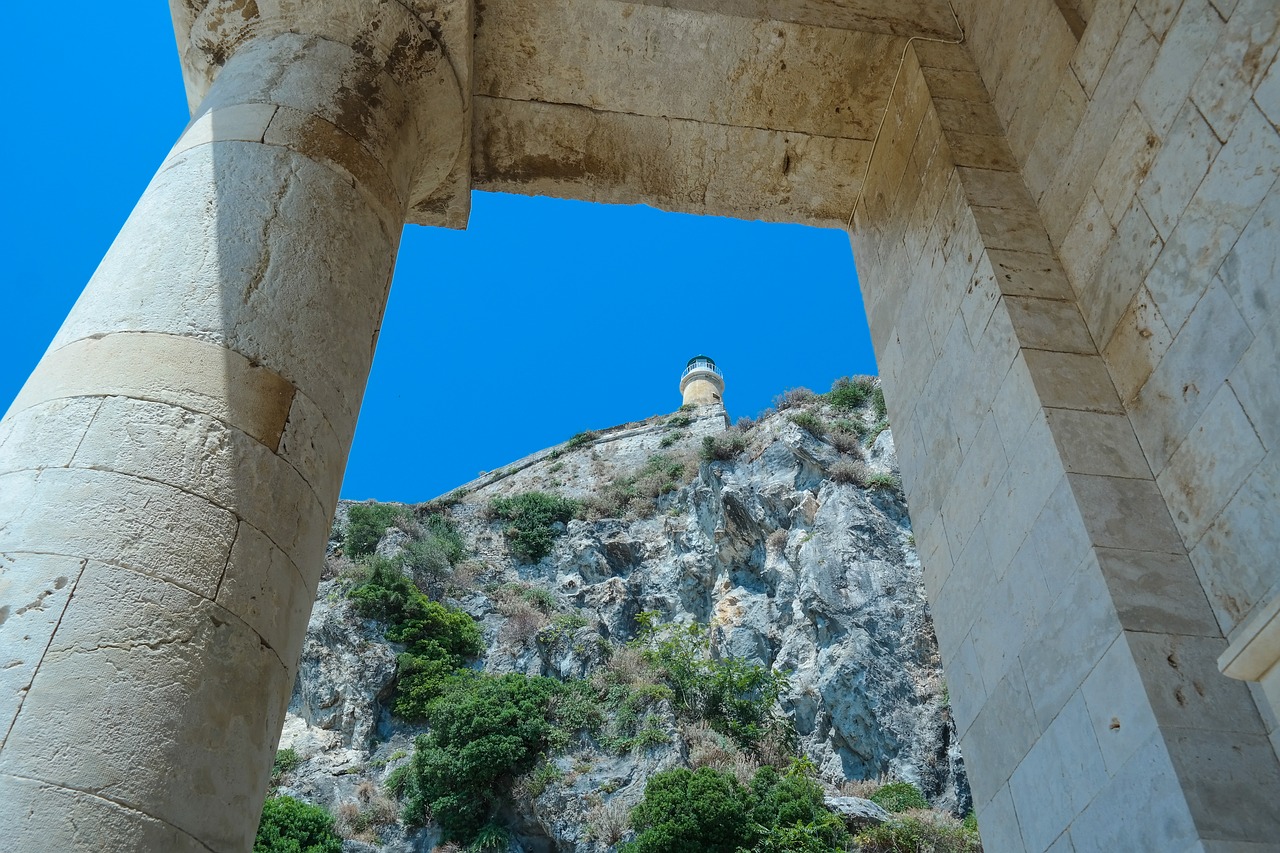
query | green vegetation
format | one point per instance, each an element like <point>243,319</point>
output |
<point>875,431</point>
<point>707,809</point>
<point>286,761</point>
<point>436,549</point>
<point>883,480</point>
<point>735,697</point>
<point>292,826</point>
<point>671,438</point>
<point>851,426</point>
<point>365,525</point>
<point>898,797</point>
<point>530,521</point>
<point>684,810</point>
<point>637,493</point>
<point>485,731</point>
<point>581,439</point>
<point>723,447</point>
<point>681,420</point>
<point>438,639</point>
<point>912,833</point>
<point>850,393</point>
<point>877,402</point>
<point>810,422</point>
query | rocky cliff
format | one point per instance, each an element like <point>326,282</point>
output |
<point>787,538</point>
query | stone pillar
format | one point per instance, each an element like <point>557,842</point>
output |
<point>1079,647</point>
<point>169,471</point>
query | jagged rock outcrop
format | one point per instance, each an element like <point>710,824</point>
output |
<point>788,567</point>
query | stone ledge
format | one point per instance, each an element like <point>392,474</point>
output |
<point>1255,650</point>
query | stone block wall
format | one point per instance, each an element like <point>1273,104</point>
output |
<point>1081,649</point>
<point>1150,146</point>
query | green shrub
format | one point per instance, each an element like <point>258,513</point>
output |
<point>810,422</point>
<point>491,837</point>
<point>286,761</point>
<point>790,805</point>
<point>581,439</point>
<point>851,426</point>
<point>706,809</point>
<point>366,523</point>
<point>485,731</point>
<point>734,696</point>
<point>701,810</point>
<point>883,480</point>
<point>723,447</point>
<point>291,826</point>
<point>680,420</point>
<point>898,797</point>
<point>438,639</point>
<point>847,397</point>
<point>530,520</point>
<point>877,401</point>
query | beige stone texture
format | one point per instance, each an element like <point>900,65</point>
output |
<point>1065,236</point>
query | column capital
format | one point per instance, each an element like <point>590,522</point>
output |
<point>412,66</point>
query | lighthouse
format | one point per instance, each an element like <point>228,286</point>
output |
<point>702,383</point>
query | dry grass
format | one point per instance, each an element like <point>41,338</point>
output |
<point>863,788</point>
<point>851,471</point>
<point>625,666</point>
<point>363,818</point>
<point>847,443</point>
<point>608,822</point>
<point>466,573</point>
<point>524,620</point>
<point>793,397</point>
<point>709,748</point>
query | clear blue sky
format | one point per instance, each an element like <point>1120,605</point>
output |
<point>576,314</point>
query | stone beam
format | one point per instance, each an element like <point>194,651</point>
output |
<point>687,110</point>
<point>569,151</point>
<point>909,18</point>
<point>169,472</point>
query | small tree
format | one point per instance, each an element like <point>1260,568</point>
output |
<point>365,525</point>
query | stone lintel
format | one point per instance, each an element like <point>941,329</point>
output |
<point>913,19</point>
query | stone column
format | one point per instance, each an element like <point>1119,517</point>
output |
<point>169,471</point>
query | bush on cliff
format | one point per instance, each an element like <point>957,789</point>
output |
<point>366,523</point>
<point>898,797</point>
<point>736,697</point>
<point>438,639</point>
<point>722,448</point>
<point>530,521</point>
<point>708,810</point>
<point>291,826</point>
<point>485,731</point>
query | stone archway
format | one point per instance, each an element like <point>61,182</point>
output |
<point>1061,226</point>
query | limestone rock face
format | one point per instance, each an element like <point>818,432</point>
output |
<point>788,567</point>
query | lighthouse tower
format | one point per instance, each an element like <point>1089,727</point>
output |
<point>702,383</point>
